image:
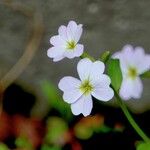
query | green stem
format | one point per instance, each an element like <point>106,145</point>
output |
<point>130,118</point>
<point>86,55</point>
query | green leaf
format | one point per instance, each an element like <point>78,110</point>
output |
<point>114,71</point>
<point>83,132</point>
<point>103,129</point>
<point>143,146</point>
<point>55,100</point>
<point>47,147</point>
<point>3,147</point>
<point>22,142</point>
<point>146,74</point>
<point>56,129</point>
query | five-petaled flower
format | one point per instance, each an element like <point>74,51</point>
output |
<point>92,82</point>
<point>65,44</point>
<point>133,62</point>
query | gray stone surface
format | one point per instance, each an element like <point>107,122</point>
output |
<point>108,25</point>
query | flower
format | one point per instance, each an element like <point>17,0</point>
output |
<point>65,44</point>
<point>133,63</point>
<point>92,82</point>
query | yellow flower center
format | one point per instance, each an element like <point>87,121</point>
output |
<point>132,72</point>
<point>71,45</point>
<point>86,87</point>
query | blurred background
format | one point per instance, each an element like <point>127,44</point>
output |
<point>33,114</point>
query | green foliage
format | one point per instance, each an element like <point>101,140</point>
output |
<point>47,147</point>
<point>83,132</point>
<point>55,100</point>
<point>114,71</point>
<point>143,146</point>
<point>22,142</point>
<point>56,129</point>
<point>3,147</point>
<point>103,129</point>
<point>146,74</point>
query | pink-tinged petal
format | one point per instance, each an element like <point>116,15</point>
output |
<point>58,58</point>
<point>72,95</point>
<point>78,33</point>
<point>62,31</point>
<point>139,52</point>
<point>84,105</point>
<point>74,31</point>
<point>97,69</point>
<point>71,28</point>
<point>78,51</point>
<point>68,82</point>
<point>131,89</point>
<point>84,68</point>
<point>72,25</point>
<point>127,55</point>
<point>70,87</point>
<point>55,52</point>
<point>69,54</point>
<point>103,94</point>
<point>102,82</point>
<point>137,88</point>
<point>126,58</point>
<point>126,89</point>
<point>57,41</point>
<point>144,65</point>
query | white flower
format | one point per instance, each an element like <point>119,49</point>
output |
<point>92,82</point>
<point>65,44</point>
<point>133,62</point>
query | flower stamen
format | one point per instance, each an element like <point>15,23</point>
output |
<point>132,72</point>
<point>71,45</point>
<point>86,87</point>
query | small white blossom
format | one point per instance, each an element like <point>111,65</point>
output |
<point>133,62</point>
<point>65,44</point>
<point>92,82</point>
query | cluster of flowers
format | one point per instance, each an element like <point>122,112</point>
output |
<point>93,81</point>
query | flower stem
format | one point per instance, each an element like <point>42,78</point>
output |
<point>130,118</point>
<point>86,55</point>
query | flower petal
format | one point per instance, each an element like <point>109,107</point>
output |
<point>137,88</point>
<point>71,28</point>
<point>78,33</point>
<point>58,58</point>
<point>103,94</point>
<point>55,52</point>
<point>139,56</point>
<point>57,41</point>
<point>83,68</point>
<point>97,69</point>
<point>84,105</point>
<point>74,31</point>
<point>70,87</point>
<point>125,57</point>
<point>131,89</point>
<point>102,82</point>
<point>63,32</point>
<point>145,65</point>
<point>126,89</point>
<point>78,50</point>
